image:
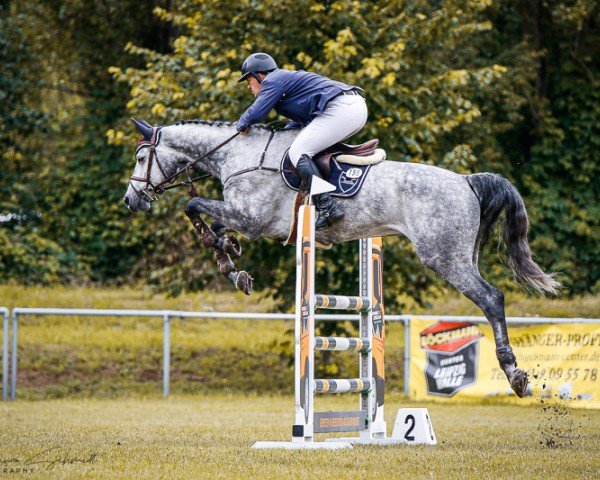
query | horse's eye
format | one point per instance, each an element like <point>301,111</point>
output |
<point>140,159</point>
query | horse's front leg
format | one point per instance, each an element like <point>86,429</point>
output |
<point>233,215</point>
<point>216,238</point>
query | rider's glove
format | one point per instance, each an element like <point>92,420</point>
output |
<point>242,129</point>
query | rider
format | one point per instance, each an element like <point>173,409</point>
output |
<point>328,112</point>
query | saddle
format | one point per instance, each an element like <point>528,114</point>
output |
<point>343,165</point>
<point>344,153</point>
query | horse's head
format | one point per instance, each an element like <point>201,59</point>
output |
<point>156,166</point>
<point>165,152</point>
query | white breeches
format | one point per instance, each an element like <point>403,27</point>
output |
<point>343,116</point>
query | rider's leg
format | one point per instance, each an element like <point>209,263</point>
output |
<point>344,116</point>
<point>329,210</point>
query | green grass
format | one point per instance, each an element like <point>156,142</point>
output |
<point>517,304</point>
<point>12,295</point>
<point>209,436</point>
<point>110,371</point>
<point>108,357</point>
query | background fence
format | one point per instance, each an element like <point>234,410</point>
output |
<point>20,314</point>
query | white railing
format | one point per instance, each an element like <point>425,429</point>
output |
<point>167,315</point>
<point>4,312</point>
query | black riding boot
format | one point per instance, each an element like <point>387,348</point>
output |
<point>329,211</point>
<point>327,206</point>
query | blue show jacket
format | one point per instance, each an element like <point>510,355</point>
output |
<point>297,95</point>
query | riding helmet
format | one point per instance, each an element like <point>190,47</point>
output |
<point>257,63</point>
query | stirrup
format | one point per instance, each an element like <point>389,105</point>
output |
<point>326,219</point>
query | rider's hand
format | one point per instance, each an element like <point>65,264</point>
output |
<point>241,129</point>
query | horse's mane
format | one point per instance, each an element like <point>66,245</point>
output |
<point>217,123</point>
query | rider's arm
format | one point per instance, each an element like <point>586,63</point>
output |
<point>269,95</point>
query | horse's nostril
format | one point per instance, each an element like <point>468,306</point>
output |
<point>126,201</point>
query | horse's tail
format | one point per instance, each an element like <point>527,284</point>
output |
<point>495,194</point>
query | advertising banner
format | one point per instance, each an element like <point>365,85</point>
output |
<point>457,360</point>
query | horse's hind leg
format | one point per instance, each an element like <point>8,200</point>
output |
<point>466,278</point>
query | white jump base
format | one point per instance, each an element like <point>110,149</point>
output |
<point>334,445</point>
<point>368,441</point>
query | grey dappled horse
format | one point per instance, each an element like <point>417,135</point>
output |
<point>445,215</point>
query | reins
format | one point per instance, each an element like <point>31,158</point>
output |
<point>190,181</point>
<point>260,164</point>
<point>150,191</point>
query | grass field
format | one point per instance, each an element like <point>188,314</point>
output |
<point>518,304</point>
<point>110,357</point>
<point>210,436</point>
<point>111,422</point>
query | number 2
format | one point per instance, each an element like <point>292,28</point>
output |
<point>407,436</point>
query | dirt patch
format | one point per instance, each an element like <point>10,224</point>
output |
<point>557,426</point>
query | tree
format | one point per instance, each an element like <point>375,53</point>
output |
<point>88,182</point>
<point>561,163</point>
<point>407,54</point>
<point>509,87</point>
<point>26,254</point>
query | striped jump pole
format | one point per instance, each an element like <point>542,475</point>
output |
<point>368,420</point>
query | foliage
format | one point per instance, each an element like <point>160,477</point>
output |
<point>64,190</point>
<point>416,94</point>
<point>509,87</point>
<point>25,254</point>
<point>32,259</point>
<point>89,179</point>
<point>561,170</point>
<point>420,89</point>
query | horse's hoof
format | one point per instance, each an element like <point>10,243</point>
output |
<point>519,382</point>
<point>243,282</point>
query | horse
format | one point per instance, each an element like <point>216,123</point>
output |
<point>447,216</point>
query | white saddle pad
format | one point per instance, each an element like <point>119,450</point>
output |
<point>378,156</point>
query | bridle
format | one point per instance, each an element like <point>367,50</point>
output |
<point>150,191</point>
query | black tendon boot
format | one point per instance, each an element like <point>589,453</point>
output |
<point>327,206</point>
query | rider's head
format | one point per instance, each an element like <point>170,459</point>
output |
<point>255,68</point>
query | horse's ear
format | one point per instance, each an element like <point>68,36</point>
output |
<point>144,127</point>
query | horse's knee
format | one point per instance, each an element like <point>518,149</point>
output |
<point>191,207</point>
<point>219,228</point>
<point>497,296</point>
